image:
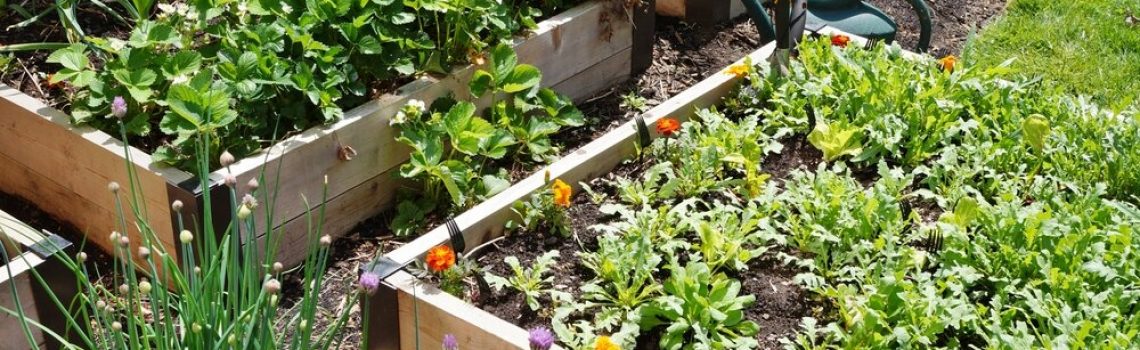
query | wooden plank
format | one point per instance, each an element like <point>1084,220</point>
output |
<point>14,273</point>
<point>343,213</point>
<point>10,326</point>
<point>704,12</point>
<point>66,169</point>
<point>427,314</point>
<point>671,8</point>
<point>606,73</point>
<point>485,220</point>
<point>562,47</point>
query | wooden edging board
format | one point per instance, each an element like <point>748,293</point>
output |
<point>66,168</point>
<point>425,313</point>
<point>704,12</point>
<point>405,310</point>
<point>16,238</point>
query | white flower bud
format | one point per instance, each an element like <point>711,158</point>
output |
<point>81,257</point>
<point>113,187</point>
<point>177,206</point>
<point>226,159</point>
<point>144,287</point>
<point>185,236</point>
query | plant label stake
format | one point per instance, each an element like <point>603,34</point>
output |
<point>791,15</point>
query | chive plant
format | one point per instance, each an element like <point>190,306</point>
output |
<point>222,292</point>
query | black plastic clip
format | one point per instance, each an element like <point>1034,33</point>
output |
<point>457,241</point>
<point>642,132</point>
<point>50,245</point>
<point>384,267</point>
<point>871,42</point>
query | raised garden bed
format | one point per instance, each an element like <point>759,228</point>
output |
<point>702,12</point>
<point>929,200</point>
<point>438,313</point>
<point>27,250</point>
<point>65,168</point>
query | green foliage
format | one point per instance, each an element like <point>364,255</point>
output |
<point>1082,47</point>
<point>702,310</point>
<point>729,238</point>
<point>282,66</point>
<point>529,281</point>
<point>454,150</point>
<point>540,213</point>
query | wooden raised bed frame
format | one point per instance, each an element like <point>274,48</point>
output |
<point>66,168</point>
<point>392,309</point>
<point>440,313</point>
<point>17,239</point>
<point>704,12</point>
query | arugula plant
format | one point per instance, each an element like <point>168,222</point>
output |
<point>701,310</point>
<point>529,281</point>
<point>730,237</point>
<point>623,267</point>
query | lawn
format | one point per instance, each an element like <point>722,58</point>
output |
<point>1082,47</point>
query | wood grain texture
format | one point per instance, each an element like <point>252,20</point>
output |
<point>16,237</point>
<point>65,170</point>
<point>577,64</point>
<point>427,314</point>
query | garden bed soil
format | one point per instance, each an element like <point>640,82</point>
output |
<point>954,21</point>
<point>780,303</point>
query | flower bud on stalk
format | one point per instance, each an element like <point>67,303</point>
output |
<point>226,159</point>
<point>119,107</point>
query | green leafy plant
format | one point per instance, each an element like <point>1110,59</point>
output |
<point>730,237</point>
<point>702,310</point>
<point>529,281</point>
<point>835,140</point>
<point>542,213</point>
<point>454,150</point>
<point>623,267</point>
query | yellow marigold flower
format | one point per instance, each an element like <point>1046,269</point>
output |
<point>739,70</point>
<point>604,343</point>
<point>562,193</point>
<point>948,63</point>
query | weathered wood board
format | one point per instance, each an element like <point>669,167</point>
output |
<point>439,313</point>
<point>66,169</point>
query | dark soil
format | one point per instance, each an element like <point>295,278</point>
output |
<point>29,70</point>
<point>953,20</point>
<point>779,307</point>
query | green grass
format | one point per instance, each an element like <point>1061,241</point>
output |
<point>1083,47</point>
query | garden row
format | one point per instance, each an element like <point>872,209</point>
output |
<point>904,200</point>
<point>578,52</point>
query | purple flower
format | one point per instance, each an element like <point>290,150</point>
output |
<point>450,343</point>
<point>369,282</point>
<point>119,107</point>
<point>541,339</point>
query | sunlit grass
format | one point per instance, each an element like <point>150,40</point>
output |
<point>1084,47</point>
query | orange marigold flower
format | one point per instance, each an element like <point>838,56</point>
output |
<point>739,70</point>
<point>948,63</point>
<point>604,343</point>
<point>840,40</point>
<point>562,193</point>
<point>440,258</point>
<point>668,126</point>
